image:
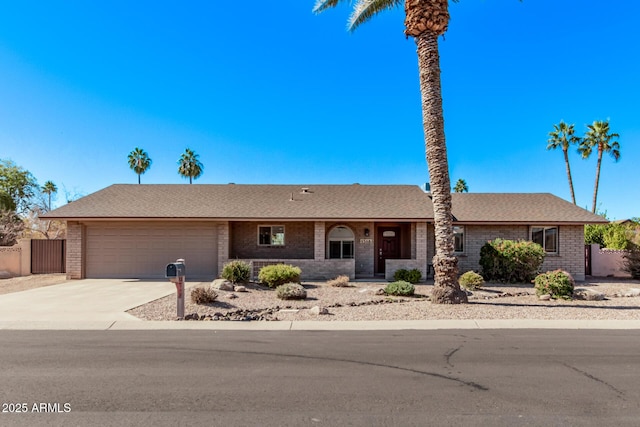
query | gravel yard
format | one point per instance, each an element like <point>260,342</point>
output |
<point>24,283</point>
<point>361,302</point>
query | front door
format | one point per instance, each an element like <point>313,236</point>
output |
<point>388,246</point>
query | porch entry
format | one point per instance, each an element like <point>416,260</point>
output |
<point>388,246</point>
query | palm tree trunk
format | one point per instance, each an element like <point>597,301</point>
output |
<point>446,288</point>
<point>138,178</point>
<point>595,189</point>
<point>566,161</point>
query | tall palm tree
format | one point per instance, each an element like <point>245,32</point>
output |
<point>598,136</point>
<point>189,166</point>
<point>49,188</point>
<point>461,186</point>
<point>139,161</point>
<point>425,21</point>
<point>563,136</point>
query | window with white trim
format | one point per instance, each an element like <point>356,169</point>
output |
<point>271,235</point>
<point>458,238</point>
<point>547,237</point>
<point>341,243</point>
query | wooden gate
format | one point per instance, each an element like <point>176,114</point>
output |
<point>587,260</point>
<point>48,256</point>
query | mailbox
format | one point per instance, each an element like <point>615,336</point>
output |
<point>175,269</point>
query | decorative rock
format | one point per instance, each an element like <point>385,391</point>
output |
<point>233,296</point>
<point>633,292</point>
<point>380,292</point>
<point>545,297</point>
<point>221,284</point>
<point>5,274</point>
<point>240,289</point>
<point>587,294</point>
<point>316,310</point>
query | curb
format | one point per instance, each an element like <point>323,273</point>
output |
<point>310,325</point>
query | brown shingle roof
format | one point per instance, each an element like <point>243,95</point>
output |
<point>234,201</point>
<point>322,202</point>
<point>525,208</point>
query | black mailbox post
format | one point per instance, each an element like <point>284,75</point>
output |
<point>176,272</point>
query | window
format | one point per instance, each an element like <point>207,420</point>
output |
<point>271,235</point>
<point>341,243</point>
<point>547,237</point>
<point>458,238</point>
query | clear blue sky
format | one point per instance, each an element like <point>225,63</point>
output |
<point>267,92</point>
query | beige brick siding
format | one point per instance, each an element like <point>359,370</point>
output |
<point>419,249</point>
<point>364,246</point>
<point>223,246</point>
<point>570,255</point>
<point>75,250</point>
<point>312,269</point>
<point>319,234</point>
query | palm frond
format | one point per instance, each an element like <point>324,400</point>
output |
<point>322,5</point>
<point>367,9</point>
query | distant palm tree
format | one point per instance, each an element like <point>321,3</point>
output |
<point>598,136</point>
<point>425,21</point>
<point>189,166</point>
<point>139,161</point>
<point>461,186</point>
<point>563,136</point>
<point>49,188</point>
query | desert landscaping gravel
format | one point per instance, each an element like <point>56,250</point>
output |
<point>363,302</point>
<point>24,283</point>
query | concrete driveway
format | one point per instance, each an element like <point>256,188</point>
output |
<point>82,300</point>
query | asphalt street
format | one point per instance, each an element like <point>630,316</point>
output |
<point>331,378</point>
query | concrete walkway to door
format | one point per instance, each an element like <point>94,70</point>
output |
<point>87,300</point>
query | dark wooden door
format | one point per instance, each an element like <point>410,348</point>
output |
<point>388,245</point>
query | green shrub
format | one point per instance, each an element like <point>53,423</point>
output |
<point>236,271</point>
<point>202,295</point>
<point>400,288</point>
<point>279,274</point>
<point>631,262</point>
<point>594,233</point>
<point>558,284</point>
<point>411,276</point>
<point>617,236</point>
<point>471,280</point>
<point>511,261</point>
<point>341,281</point>
<point>291,291</point>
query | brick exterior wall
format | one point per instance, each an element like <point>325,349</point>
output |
<point>223,246</point>
<point>312,269</point>
<point>364,249</point>
<point>419,251</point>
<point>75,250</point>
<point>570,255</point>
<point>306,246</point>
<point>298,241</point>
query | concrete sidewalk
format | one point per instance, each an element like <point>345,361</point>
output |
<point>122,325</point>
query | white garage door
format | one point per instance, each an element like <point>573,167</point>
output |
<point>142,250</point>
